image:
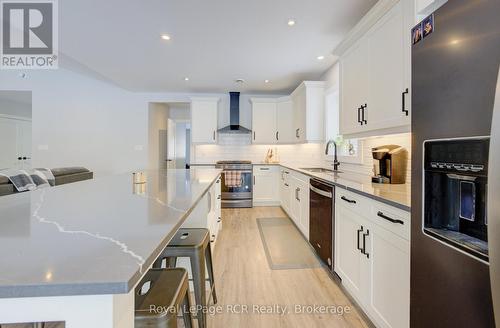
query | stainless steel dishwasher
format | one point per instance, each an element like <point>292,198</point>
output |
<point>321,220</point>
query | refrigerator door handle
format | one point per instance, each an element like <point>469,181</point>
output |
<point>494,206</point>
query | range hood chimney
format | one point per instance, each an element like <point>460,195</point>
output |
<point>234,116</point>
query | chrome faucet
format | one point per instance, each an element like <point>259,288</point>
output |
<point>336,163</point>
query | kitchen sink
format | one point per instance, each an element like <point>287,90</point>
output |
<point>319,170</point>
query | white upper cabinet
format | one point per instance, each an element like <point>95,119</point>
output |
<point>204,120</point>
<point>284,121</point>
<point>309,112</point>
<point>264,130</point>
<point>272,121</point>
<point>353,87</point>
<point>375,76</point>
<point>386,80</point>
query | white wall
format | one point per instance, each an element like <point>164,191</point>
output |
<point>15,108</point>
<point>80,121</point>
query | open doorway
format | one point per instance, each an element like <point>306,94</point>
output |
<point>15,129</point>
<point>169,135</point>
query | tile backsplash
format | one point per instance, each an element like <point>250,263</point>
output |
<point>239,147</point>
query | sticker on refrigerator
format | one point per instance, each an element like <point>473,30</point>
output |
<point>428,25</point>
<point>416,33</point>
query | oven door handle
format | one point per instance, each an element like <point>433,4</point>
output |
<point>246,171</point>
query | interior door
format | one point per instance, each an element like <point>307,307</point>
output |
<point>8,143</point>
<point>353,86</point>
<point>387,44</point>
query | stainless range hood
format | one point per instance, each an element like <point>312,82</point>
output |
<point>234,126</point>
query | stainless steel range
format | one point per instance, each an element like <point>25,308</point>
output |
<point>236,183</point>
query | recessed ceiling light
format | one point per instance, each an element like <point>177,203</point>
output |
<point>186,79</point>
<point>321,57</point>
<point>266,81</point>
<point>291,22</point>
<point>239,81</point>
<point>165,37</point>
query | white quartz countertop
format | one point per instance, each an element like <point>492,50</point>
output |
<point>397,195</point>
<point>93,237</point>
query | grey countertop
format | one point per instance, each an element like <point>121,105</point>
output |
<point>93,237</point>
<point>395,195</point>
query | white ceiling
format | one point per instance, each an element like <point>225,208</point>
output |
<point>213,42</point>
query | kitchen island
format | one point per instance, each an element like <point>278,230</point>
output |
<point>74,253</point>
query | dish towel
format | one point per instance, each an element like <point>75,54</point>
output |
<point>232,179</point>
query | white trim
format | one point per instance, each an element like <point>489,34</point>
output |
<point>13,117</point>
<point>377,11</point>
<point>205,99</point>
<point>422,224</point>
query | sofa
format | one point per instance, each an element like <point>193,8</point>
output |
<point>62,176</point>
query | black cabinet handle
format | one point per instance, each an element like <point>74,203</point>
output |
<point>348,200</point>
<point>363,109</point>
<point>277,135</point>
<point>383,216</point>
<point>254,135</point>
<point>403,102</point>
<point>219,219</point>
<point>213,136</point>
<point>359,115</point>
<point>286,184</point>
<point>364,243</point>
<point>19,158</point>
<point>264,169</point>
<point>357,242</point>
<point>297,133</point>
<point>254,180</point>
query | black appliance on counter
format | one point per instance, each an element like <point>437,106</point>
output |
<point>389,164</point>
<point>236,184</point>
<point>322,220</point>
<point>454,77</point>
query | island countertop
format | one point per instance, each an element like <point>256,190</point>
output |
<point>93,237</point>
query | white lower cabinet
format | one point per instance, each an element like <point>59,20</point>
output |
<point>296,200</point>
<point>285,190</point>
<point>372,257</point>
<point>207,214</point>
<point>265,185</point>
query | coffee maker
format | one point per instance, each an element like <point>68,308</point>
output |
<point>389,164</point>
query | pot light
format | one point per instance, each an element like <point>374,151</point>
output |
<point>266,81</point>
<point>321,57</point>
<point>186,79</point>
<point>165,37</point>
<point>291,22</point>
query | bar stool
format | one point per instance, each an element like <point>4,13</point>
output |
<point>159,296</point>
<point>193,243</point>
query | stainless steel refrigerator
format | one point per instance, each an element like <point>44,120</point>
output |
<point>455,238</point>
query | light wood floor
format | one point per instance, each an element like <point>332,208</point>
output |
<point>243,277</point>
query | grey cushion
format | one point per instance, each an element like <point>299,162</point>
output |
<point>68,171</point>
<point>3,180</point>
